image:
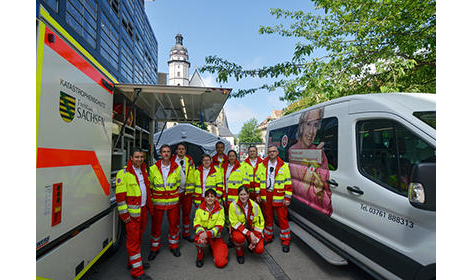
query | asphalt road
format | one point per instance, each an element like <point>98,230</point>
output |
<point>300,263</point>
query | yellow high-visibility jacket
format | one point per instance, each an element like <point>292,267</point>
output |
<point>252,174</point>
<point>189,173</point>
<point>237,178</point>
<point>128,192</point>
<point>283,184</point>
<point>211,222</point>
<point>242,223</point>
<point>165,196</point>
<point>213,182</point>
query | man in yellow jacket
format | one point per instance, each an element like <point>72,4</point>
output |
<point>251,164</point>
<point>165,176</point>
<point>133,201</point>
<point>208,225</point>
<point>274,180</point>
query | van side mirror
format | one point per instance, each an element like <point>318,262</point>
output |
<point>422,188</point>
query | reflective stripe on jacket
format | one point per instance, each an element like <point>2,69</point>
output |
<point>238,177</point>
<point>282,181</point>
<point>128,192</point>
<point>213,182</point>
<point>238,220</point>
<point>165,197</point>
<point>251,173</point>
<point>211,222</point>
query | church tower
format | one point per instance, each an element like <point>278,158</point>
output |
<point>178,64</point>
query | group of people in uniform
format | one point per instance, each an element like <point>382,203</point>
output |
<point>227,195</point>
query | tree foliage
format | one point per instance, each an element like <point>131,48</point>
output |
<point>348,47</point>
<point>249,133</point>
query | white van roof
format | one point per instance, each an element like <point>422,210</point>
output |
<point>401,104</point>
<point>408,101</point>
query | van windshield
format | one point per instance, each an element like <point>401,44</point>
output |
<point>428,117</point>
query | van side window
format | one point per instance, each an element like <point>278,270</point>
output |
<point>387,151</point>
<point>328,133</point>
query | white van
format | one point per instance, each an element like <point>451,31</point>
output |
<point>363,174</point>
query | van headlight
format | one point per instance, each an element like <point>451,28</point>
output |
<point>416,193</point>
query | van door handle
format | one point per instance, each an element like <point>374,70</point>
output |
<point>332,182</point>
<point>355,189</point>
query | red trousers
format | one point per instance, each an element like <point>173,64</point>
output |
<point>219,250</point>
<point>134,233</point>
<point>281,212</point>
<point>185,207</point>
<point>173,235</point>
<point>239,241</point>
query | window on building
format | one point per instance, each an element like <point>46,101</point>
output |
<point>178,74</point>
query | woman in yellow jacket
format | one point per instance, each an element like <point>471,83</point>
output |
<point>247,223</point>
<point>206,176</point>
<point>208,225</point>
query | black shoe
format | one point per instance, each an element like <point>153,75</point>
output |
<point>230,244</point>
<point>152,255</point>
<point>176,252</point>
<point>199,263</point>
<point>188,238</point>
<point>285,248</point>
<point>241,259</point>
<point>143,276</point>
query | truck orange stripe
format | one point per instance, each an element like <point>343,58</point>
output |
<point>64,50</point>
<point>48,157</point>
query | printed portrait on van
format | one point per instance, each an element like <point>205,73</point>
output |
<point>309,165</point>
<point>310,146</point>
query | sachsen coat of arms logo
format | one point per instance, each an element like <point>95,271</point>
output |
<point>67,107</point>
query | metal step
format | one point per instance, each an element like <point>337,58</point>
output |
<point>325,252</point>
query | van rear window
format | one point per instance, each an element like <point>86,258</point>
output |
<point>286,137</point>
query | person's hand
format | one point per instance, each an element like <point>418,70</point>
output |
<point>253,238</point>
<point>127,220</point>
<point>251,246</point>
<point>287,203</point>
<point>203,237</point>
<point>258,199</point>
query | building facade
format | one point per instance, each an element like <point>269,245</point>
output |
<point>263,126</point>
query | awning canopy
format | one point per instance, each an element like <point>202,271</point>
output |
<point>177,103</point>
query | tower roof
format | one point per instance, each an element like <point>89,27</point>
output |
<point>178,46</point>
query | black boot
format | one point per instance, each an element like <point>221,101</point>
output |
<point>199,263</point>
<point>241,259</point>
<point>176,252</point>
<point>152,255</point>
<point>285,248</point>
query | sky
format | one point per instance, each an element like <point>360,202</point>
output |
<point>227,29</point>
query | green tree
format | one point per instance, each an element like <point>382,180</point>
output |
<point>249,133</point>
<point>200,125</point>
<point>348,47</point>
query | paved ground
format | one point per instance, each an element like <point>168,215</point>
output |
<point>300,263</point>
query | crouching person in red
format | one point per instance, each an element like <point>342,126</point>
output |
<point>208,225</point>
<point>247,223</point>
